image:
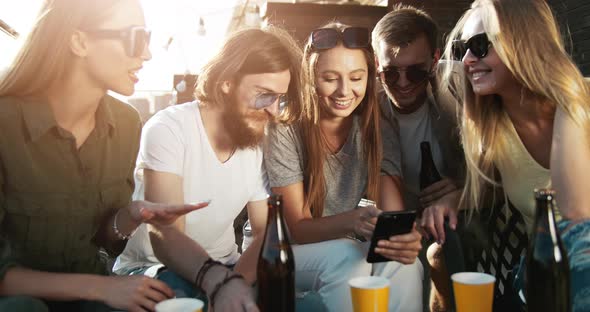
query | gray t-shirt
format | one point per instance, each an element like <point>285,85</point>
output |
<point>415,128</point>
<point>345,172</point>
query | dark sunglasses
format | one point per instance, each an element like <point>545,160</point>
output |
<point>479,46</point>
<point>415,74</point>
<point>352,38</point>
<point>135,38</point>
<point>264,100</point>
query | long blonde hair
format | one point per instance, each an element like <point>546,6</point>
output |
<point>526,38</point>
<point>315,147</point>
<point>45,55</point>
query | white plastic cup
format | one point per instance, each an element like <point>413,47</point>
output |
<point>180,305</point>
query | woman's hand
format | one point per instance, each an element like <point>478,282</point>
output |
<point>160,214</point>
<point>365,222</point>
<point>433,216</point>
<point>133,293</point>
<point>402,248</point>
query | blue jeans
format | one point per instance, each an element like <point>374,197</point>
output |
<point>576,239</point>
<point>181,287</point>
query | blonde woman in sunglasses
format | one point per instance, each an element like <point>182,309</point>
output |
<point>327,161</point>
<point>525,114</point>
<point>67,154</point>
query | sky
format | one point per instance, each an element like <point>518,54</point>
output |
<point>179,19</point>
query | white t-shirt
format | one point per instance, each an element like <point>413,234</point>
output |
<point>415,128</point>
<point>175,141</point>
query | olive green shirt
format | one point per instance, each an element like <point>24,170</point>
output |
<point>55,197</point>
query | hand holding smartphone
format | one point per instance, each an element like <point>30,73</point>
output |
<point>389,223</point>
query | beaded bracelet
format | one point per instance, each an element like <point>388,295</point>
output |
<point>208,264</point>
<point>223,283</point>
<point>118,233</point>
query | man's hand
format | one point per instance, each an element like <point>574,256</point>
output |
<point>436,191</point>
<point>364,224</point>
<point>160,214</point>
<point>433,216</point>
<point>236,295</point>
<point>402,248</point>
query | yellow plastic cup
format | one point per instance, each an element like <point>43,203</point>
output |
<point>369,293</point>
<point>180,305</point>
<point>474,291</point>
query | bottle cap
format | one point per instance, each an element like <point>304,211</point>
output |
<point>544,194</point>
<point>275,198</point>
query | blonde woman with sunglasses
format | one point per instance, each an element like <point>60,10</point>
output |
<point>327,161</point>
<point>525,114</point>
<point>67,154</point>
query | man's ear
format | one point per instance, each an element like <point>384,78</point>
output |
<point>376,61</point>
<point>79,43</point>
<point>436,56</point>
<point>226,86</point>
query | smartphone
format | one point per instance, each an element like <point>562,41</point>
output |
<point>389,223</point>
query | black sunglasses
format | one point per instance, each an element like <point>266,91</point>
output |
<point>415,74</point>
<point>135,38</point>
<point>264,100</point>
<point>479,46</point>
<point>352,38</point>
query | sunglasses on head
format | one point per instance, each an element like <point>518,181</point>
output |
<point>415,74</point>
<point>264,100</point>
<point>351,37</point>
<point>479,46</point>
<point>135,38</point>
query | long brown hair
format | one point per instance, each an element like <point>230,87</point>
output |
<point>526,38</point>
<point>254,51</point>
<point>315,147</point>
<point>45,55</point>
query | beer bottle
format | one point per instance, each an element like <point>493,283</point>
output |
<point>428,172</point>
<point>547,275</point>
<point>276,266</point>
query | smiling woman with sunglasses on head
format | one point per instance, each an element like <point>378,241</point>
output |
<point>327,161</point>
<point>523,92</point>
<point>67,153</point>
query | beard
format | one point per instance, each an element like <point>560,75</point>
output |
<point>411,102</point>
<point>246,129</point>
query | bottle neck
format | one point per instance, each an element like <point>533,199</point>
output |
<point>428,172</point>
<point>426,153</point>
<point>545,222</point>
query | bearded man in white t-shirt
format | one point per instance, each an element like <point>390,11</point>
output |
<point>209,150</point>
<point>407,56</point>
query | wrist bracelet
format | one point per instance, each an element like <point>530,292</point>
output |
<point>223,283</point>
<point>118,233</point>
<point>208,264</point>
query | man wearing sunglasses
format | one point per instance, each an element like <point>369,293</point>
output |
<point>405,44</point>
<point>209,150</point>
